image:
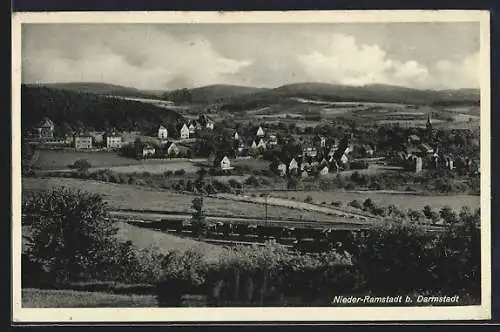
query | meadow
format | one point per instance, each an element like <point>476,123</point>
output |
<point>60,160</point>
<point>123,196</point>
<point>52,298</point>
<point>51,159</point>
<point>403,201</point>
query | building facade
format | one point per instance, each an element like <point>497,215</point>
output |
<point>83,141</point>
<point>162,132</point>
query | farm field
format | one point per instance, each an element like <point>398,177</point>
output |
<point>253,164</point>
<point>404,201</point>
<point>48,159</point>
<point>52,298</point>
<point>144,238</point>
<point>60,160</point>
<point>158,167</point>
<point>121,196</point>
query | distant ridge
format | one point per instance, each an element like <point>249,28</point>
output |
<point>101,89</point>
<point>236,97</point>
<point>344,93</point>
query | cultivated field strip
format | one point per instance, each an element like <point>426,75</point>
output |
<point>122,196</point>
<point>276,201</point>
<point>339,224</point>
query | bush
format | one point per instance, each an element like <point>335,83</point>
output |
<point>336,203</point>
<point>82,165</point>
<point>308,199</point>
<point>179,172</point>
<point>355,204</point>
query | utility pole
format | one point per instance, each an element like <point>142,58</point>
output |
<point>266,209</point>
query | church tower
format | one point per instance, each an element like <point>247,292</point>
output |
<point>428,125</point>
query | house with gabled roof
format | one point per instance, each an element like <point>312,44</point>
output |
<point>261,144</point>
<point>113,140</point>
<point>148,151</point>
<point>293,166</point>
<point>162,132</point>
<point>324,169</point>
<point>171,149</point>
<point>184,131</point>
<point>223,162</point>
<point>426,148</point>
<point>192,128</point>
<point>83,141</point>
<point>45,128</point>
<point>254,145</point>
<point>260,132</point>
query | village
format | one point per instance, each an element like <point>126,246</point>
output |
<point>313,155</point>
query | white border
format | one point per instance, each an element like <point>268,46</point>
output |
<point>482,311</point>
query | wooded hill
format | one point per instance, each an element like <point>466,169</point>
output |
<point>71,110</point>
<point>342,93</point>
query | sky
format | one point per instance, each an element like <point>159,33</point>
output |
<point>172,56</point>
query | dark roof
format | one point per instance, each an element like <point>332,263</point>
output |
<point>46,122</point>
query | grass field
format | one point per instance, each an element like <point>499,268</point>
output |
<point>53,160</point>
<point>49,159</point>
<point>404,201</point>
<point>51,298</point>
<point>156,168</point>
<point>146,238</point>
<point>253,164</point>
<point>121,196</point>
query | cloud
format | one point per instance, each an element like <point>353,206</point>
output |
<point>459,73</point>
<point>346,61</point>
<point>142,57</point>
<point>157,57</point>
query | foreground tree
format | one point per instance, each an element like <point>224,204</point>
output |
<point>71,236</point>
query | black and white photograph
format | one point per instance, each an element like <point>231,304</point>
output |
<point>251,166</point>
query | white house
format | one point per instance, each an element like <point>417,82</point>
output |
<point>113,140</point>
<point>192,129</point>
<point>293,165</point>
<point>324,170</point>
<point>262,144</point>
<point>322,142</point>
<point>210,124</point>
<point>282,169</point>
<point>344,159</point>
<point>184,132</point>
<point>172,149</point>
<point>83,141</point>
<point>162,132</point>
<point>148,151</point>
<point>236,137</point>
<point>225,164</point>
<point>254,145</point>
<point>260,132</point>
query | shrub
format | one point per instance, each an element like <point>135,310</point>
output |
<point>182,273</point>
<point>355,204</point>
<point>82,165</point>
<point>337,203</point>
<point>308,199</point>
<point>180,172</point>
